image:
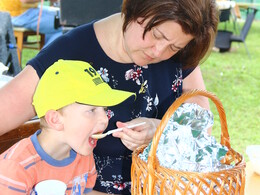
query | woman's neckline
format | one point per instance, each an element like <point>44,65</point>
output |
<point>112,24</point>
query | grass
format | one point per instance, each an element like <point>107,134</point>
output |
<point>235,79</point>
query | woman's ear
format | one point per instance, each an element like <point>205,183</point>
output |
<point>54,120</point>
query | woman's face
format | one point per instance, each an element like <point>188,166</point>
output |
<point>160,43</point>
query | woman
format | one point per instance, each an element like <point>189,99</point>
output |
<point>152,48</point>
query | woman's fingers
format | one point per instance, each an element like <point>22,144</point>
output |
<point>133,138</point>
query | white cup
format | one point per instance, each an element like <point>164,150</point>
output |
<point>50,187</point>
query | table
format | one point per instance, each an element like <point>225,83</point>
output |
<point>247,5</point>
<point>252,181</point>
<point>227,9</point>
<point>225,4</point>
<point>4,79</point>
<point>25,130</point>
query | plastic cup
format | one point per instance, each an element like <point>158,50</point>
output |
<point>50,187</point>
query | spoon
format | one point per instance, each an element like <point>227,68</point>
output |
<point>100,136</point>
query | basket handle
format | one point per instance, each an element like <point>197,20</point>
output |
<point>225,140</point>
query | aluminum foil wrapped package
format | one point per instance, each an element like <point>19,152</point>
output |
<point>185,143</point>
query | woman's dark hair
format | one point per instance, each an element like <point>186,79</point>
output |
<point>197,17</point>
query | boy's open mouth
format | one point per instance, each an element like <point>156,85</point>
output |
<point>92,142</point>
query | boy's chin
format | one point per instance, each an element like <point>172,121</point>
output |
<point>85,153</point>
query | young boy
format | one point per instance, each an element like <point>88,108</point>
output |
<point>69,100</point>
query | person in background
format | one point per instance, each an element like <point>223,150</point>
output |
<point>70,101</point>
<point>25,13</point>
<point>153,48</point>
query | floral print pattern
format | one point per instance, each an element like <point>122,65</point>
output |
<point>110,114</point>
<point>104,74</point>
<point>178,81</point>
<point>116,181</point>
<point>136,75</point>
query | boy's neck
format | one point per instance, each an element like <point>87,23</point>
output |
<point>51,143</point>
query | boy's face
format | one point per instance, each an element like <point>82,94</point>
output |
<point>80,122</point>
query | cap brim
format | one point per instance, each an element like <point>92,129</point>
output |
<point>107,98</point>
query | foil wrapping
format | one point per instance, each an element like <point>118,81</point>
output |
<point>185,144</point>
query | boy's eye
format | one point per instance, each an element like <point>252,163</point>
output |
<point>91,110</point>
<point>97,109</point>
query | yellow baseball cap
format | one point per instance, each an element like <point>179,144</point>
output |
<point>70,81</point>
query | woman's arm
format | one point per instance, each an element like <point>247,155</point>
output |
<point>16,100</point>
<point>195,81</point>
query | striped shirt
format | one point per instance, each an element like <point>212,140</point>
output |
<point>25,164</point>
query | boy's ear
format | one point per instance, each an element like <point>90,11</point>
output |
<point>54,119</point>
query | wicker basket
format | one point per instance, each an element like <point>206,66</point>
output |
<point>150,178</point>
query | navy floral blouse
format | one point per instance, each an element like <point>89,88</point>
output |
<point>156,86</point>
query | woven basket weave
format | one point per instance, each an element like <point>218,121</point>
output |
<point>150,178</point>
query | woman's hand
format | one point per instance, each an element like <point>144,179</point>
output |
<point>133,138</point>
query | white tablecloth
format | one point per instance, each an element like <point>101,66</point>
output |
<point>4,79</point>
<point>225,4</point>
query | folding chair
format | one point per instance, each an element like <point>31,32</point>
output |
<point>225,38</point>
<point>251,12</point>
<point>22,34</point>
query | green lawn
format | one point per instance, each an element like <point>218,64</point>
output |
<point>235,79</point>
